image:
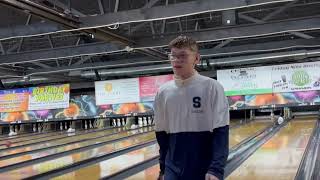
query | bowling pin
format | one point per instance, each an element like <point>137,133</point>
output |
<point>34,128</point>
<point>123,122</point>
<point>114,123</point>
<point>140,122</point>
<point>61,128</point>
<point>145,123</point>
<point>119,122</point>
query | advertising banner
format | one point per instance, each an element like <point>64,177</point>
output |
<point>150,85</point>
<point>117,91</point>
<point>243,81</point>
<point>296,77</point>
<point>49,97</point>
<point>14,100</point>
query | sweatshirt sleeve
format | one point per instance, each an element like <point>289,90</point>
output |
<point>220,143</point>
<point>220,132</point>
<point>161,131</point>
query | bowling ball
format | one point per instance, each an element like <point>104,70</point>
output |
<point>280,120</point>
<point>8,143</point>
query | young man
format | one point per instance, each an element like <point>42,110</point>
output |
<point>191,119</point>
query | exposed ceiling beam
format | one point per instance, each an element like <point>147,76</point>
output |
<point>265,58</point>
<point>241,60</point>
<point>101,8</point>
<point>205,53</point>
<point>111,64</point>
<point>150,4</point>
<point>41,11</point>
<point>29,30</point>
<point>63,6</point>
<point>252,19</point>
<point>3,52</point>
<point>83,59</point>
<point>261,47</point>
<point>129,71</point>
<point>71,22</point>
<point>5,72</point>
<point>280,10</point>
<point>56,53</point>
<point>105,48</point>
<point>40,64</point>
<point>170,11</point>
<point>237,32</point>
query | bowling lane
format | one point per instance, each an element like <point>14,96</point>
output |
<point>63,136</point>
<point>69,139</point>
<point>246,130</point>
<point>235,137</point>
<point>148,174</point>
<point>66,160</point>
<point>44,153</point>
<point>111,166</point>
<point>279,157</point>
<point>236,122</point>
<point>31,136</point>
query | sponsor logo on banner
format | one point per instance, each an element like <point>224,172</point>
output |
<point>300,78</point>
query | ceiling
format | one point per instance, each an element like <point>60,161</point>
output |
<point>79,42</point>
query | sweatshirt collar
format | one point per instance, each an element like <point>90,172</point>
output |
<point>182,82</point>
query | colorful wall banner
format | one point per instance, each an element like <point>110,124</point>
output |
<point>150,85</point>
<point>301,98</point>
<point>296,77</point>
<point>253,80</point>
<point>271,79</point>
<point>80,106</point>
<point>14,100</point>
<point>117,91</point>
<point>133,90</point>
<point>49,97</point>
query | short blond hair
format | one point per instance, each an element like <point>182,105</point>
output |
<point>184,42</point>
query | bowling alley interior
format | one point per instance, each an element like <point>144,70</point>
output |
<point>79,79</point>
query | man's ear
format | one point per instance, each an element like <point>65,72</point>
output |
<point>197,59</point>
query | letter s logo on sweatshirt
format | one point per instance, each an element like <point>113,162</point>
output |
<point>196,102</point>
